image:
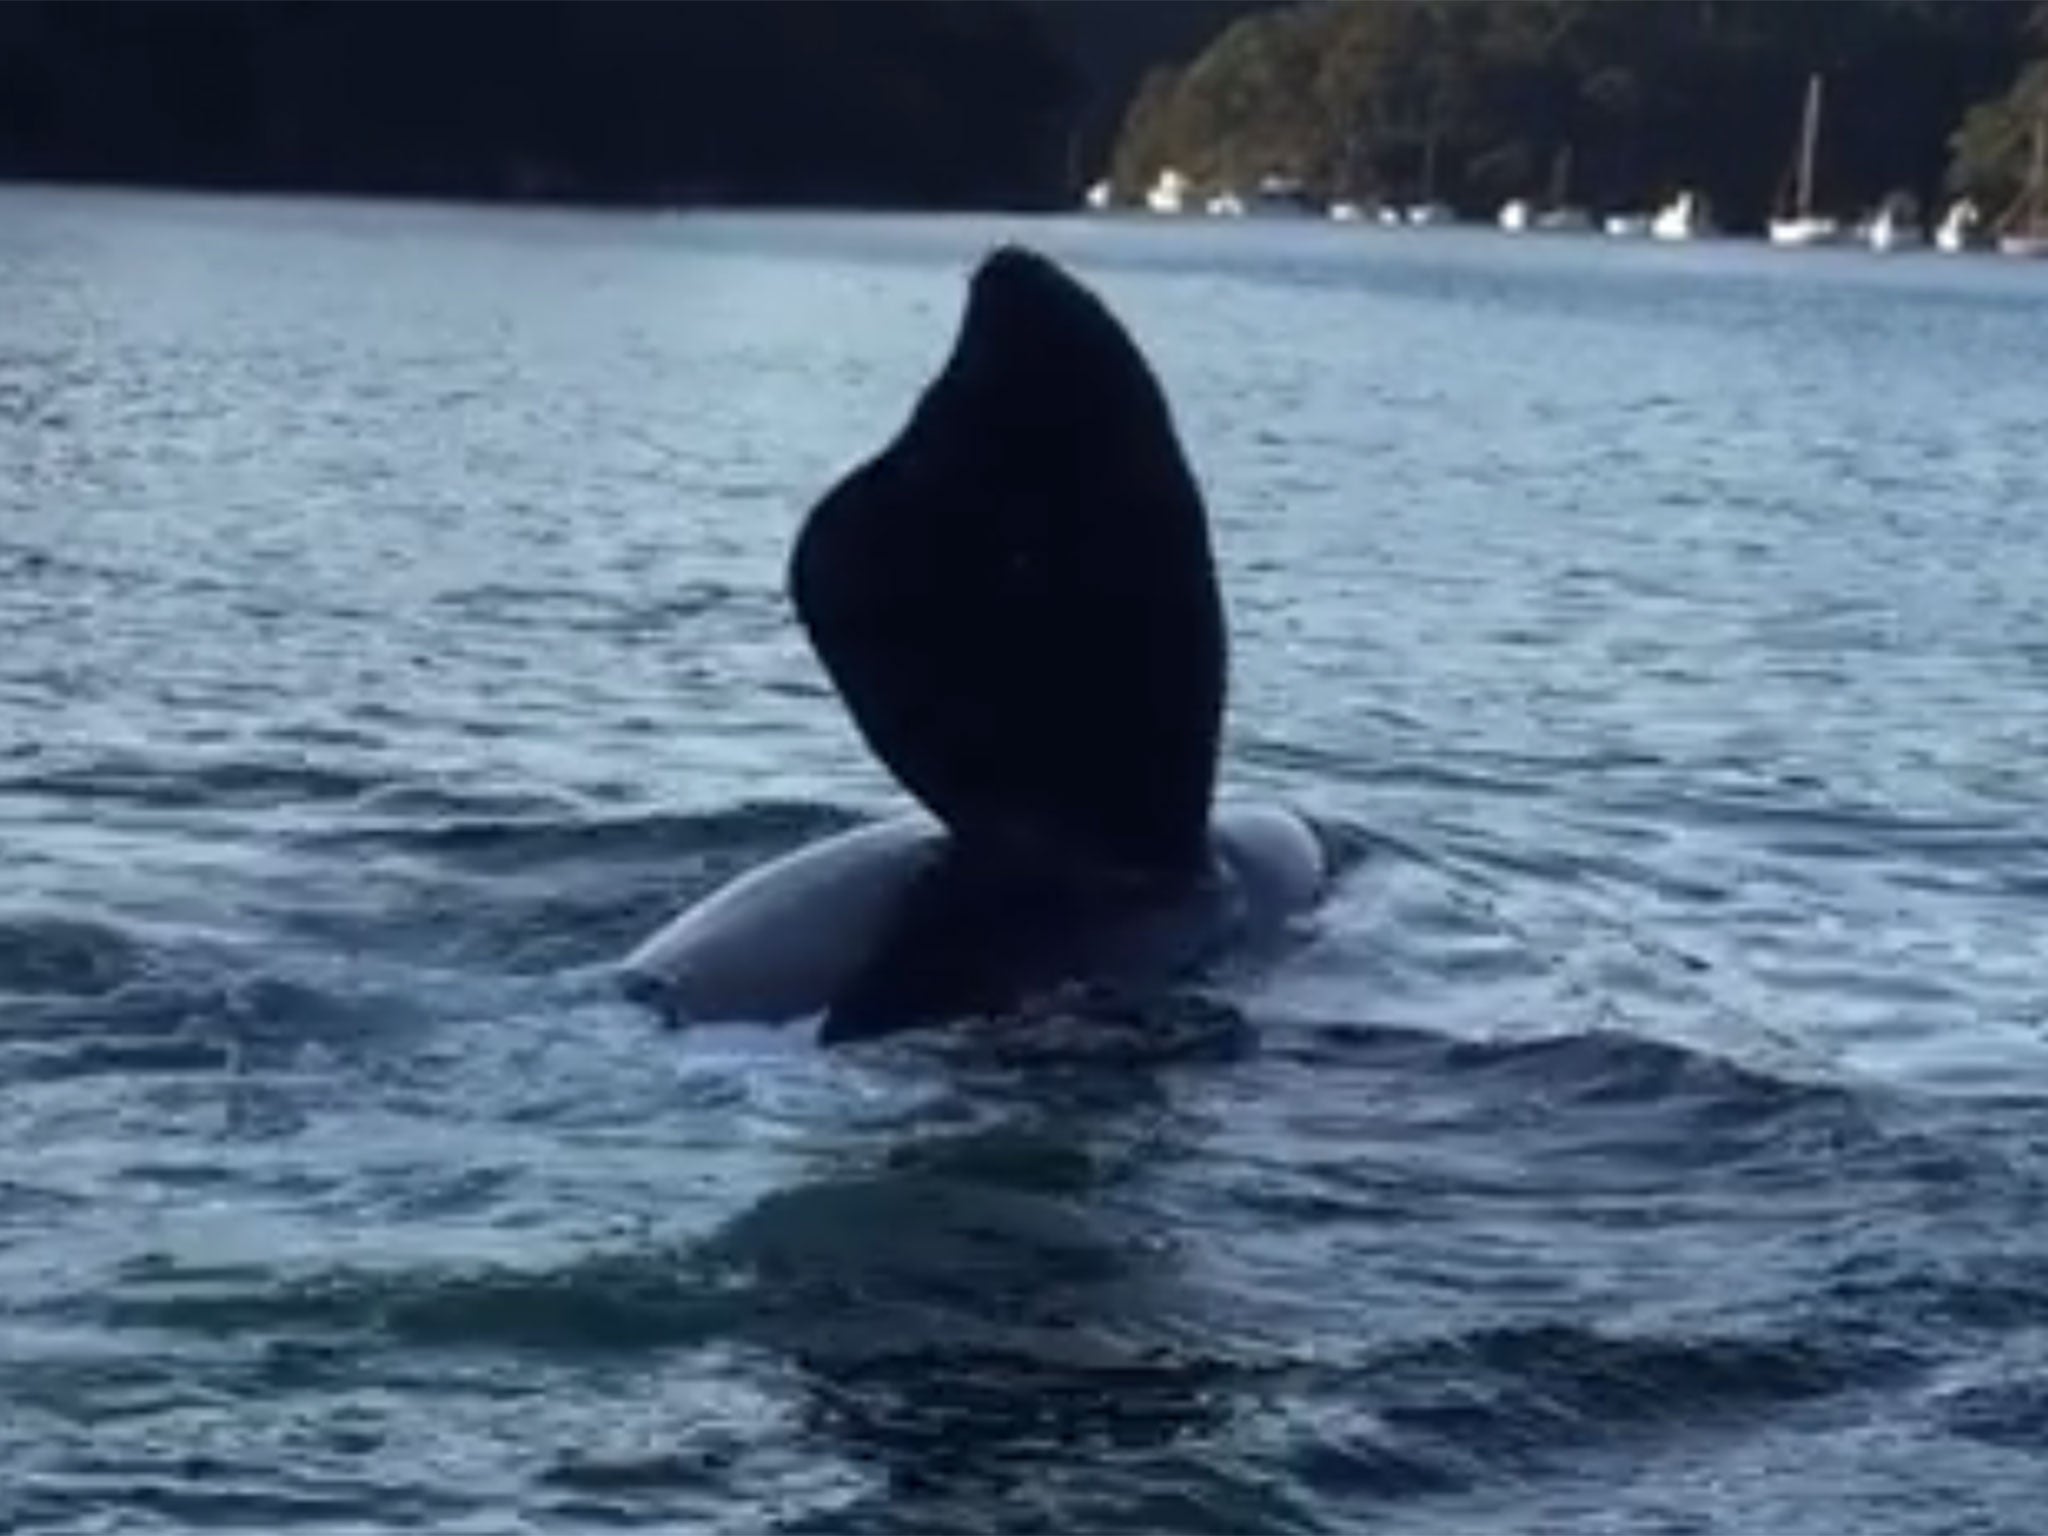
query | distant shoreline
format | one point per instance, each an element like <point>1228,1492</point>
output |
<point>10,180</point>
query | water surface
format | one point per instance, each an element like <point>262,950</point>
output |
<point>1650,1137</point>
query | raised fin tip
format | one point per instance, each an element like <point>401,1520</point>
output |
<point>1014,276</point>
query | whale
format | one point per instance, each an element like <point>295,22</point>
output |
<point>1017,603</point>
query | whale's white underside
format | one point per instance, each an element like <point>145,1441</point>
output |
<point>776,943</point>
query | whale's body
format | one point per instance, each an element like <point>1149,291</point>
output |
<point>1017,603</point>
<point>784,940</point>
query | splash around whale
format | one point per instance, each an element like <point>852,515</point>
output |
<point>1017,602</point>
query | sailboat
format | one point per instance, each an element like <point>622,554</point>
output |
<point>1555,216</point>
<point>1896,224</point>
<point>1561,217</point>
<point>1685,217</point>
<point>1431,210</point>
<point>1804,226</point>
<point>2024,229</point>
<point>1168,193</point>
<point>1564,220</point>
<point>1958,231</point>
<point>1519,216</point>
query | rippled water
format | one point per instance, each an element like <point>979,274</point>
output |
<point>1651,1139</point>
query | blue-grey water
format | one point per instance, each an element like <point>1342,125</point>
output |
<point>1651,1136</point>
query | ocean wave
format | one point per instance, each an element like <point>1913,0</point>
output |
<point>1593,1068</point>
<point>1932,1298</point>
<point>121,998</point>
<point>53,953</point>
<point>1501,1403</point>
<point>224,784</point>
<point>506,843</point>
<point>2011,1414</point>
<point>647,1299</point>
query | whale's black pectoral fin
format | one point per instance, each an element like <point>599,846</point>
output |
<point>969,937</point>
<point>1016,598</point>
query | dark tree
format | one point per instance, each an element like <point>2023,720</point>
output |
<point>1479,100</point>
<point>923,102</point>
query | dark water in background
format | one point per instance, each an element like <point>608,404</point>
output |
<point>1653,1139</point>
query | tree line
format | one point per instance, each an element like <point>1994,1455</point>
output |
<point>937,103</point>
<point>1018,103</point>
<point>1476,101</point>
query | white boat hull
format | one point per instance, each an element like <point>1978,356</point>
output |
<point>1169,193</point>
<point>1683,218</point>
<point>1958,230</point>
<point>1804,232</point>
<point>2029,247</point>
<point>1519,218</point>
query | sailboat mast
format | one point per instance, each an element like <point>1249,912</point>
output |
<point>1809,139</point>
